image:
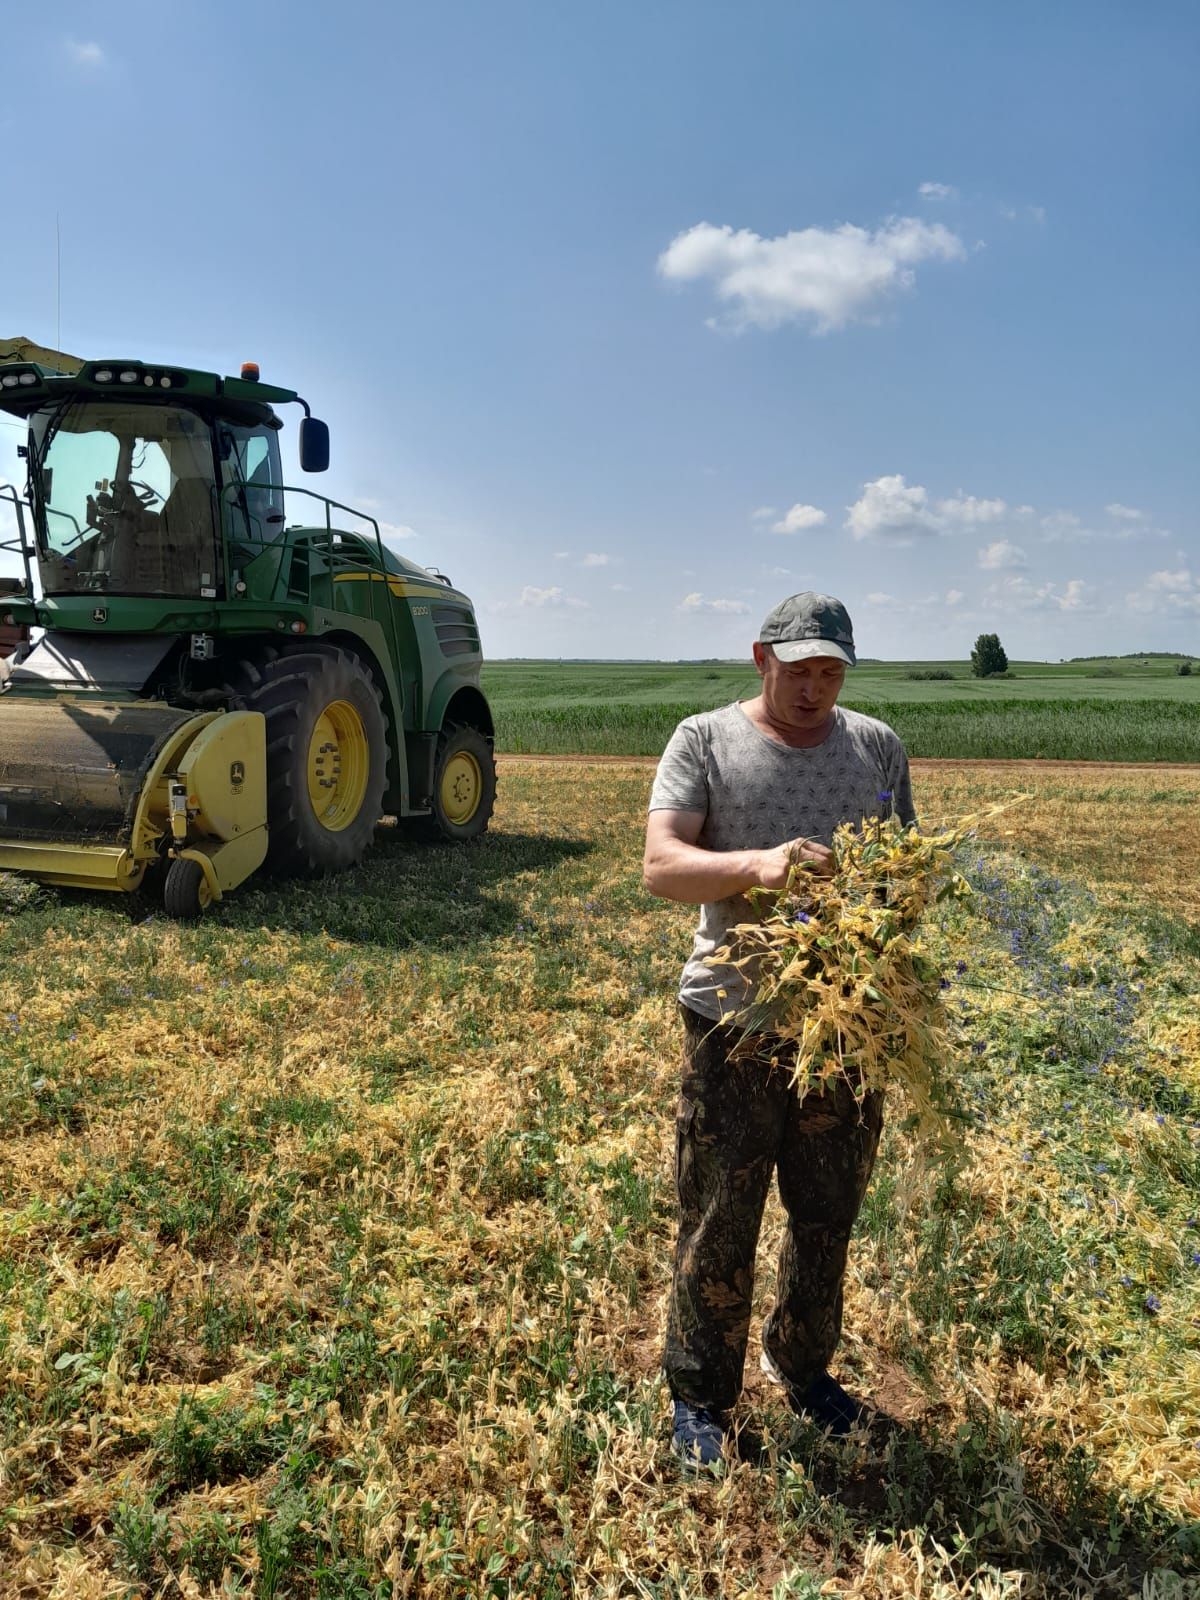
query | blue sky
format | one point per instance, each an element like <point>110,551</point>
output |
<point>636,318</point>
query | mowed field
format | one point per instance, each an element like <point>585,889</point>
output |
<point>335,1232</point>
<point>1105,710</point>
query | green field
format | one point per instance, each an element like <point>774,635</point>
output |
<point>1103,710</point>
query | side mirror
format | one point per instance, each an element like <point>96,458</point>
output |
<point>314,445</point>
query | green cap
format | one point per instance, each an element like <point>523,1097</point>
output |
<point>809,624</point>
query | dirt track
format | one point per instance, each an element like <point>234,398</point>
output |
<point>919,763</point>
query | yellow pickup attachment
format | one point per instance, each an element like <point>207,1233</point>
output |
<point>137,785</point>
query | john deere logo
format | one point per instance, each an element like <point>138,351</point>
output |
<point>100,614</point>
<point>237,776</point>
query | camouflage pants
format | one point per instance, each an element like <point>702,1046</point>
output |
<point>738,1122</point>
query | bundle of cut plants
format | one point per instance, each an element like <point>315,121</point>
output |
<point>841,983</point>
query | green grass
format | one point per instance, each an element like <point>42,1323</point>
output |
<point>1013,729</point>
<point>1094,711</point>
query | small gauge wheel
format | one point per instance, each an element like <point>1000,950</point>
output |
<point>185,891</point>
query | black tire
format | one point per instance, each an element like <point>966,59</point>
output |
<point>185,890</point>
<point>467,752</point>
<point>294,690</point>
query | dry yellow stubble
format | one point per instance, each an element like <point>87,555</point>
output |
<point>447,1158</point>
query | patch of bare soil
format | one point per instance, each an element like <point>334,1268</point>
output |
<point>918,764</point>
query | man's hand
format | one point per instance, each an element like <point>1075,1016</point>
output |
<point>679,869</point>
<point>774,865</point>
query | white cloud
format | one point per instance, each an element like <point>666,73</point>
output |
<point>826,277</point>
<point>1170,582</point>
<point>697,602</point>
<point>86,53</point>
<point>913,606</point>
<point>892,509</point>
<point>761,513</point>
<point>798,518</point>
<point>562,555</point>
<point>554,597</point>
<point>1021,594</point>
<point>1059,523</point>
<point>394,532</point>
<point>594,559</point>
<point>1002,556</point>
<point>619,588</point>
<point>1065,527</point>
<point>1023,511</point>
<point>965,508</point>
<point>1013,214</point>
<point>938,191</point>
<point>1170,594</point>
<point>889,508</point>
<point>1125,513</point>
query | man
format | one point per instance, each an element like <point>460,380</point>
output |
<point>740,795</point>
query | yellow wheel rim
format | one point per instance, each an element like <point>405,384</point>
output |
<point>462,788</point>
<point>339,762</point>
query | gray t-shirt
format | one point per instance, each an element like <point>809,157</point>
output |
<point>756,793</point>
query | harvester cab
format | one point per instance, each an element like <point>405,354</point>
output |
<point>214,687</point>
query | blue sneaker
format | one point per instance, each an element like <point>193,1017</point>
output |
<point>827,1404</point>
<point>698,1438</point>
<point>824,1402</point>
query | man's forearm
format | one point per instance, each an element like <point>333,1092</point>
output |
<point>692,875</point>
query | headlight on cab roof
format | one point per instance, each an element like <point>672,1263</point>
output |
<point>23,375</point>
<point>144,377</point>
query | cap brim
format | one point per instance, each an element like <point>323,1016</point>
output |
<point>803,649</point>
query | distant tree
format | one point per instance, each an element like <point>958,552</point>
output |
<point>988,656</point>
<point>1184,669</point>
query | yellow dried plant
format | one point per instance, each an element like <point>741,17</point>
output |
<point>841,983</point>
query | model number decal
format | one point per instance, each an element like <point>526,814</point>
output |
<point>420,611</point>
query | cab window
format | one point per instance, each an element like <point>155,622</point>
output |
<point>252,485</point>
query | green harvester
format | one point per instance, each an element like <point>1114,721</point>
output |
<point>213,688</point>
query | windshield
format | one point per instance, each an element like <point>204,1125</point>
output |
<point>127,493</point>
